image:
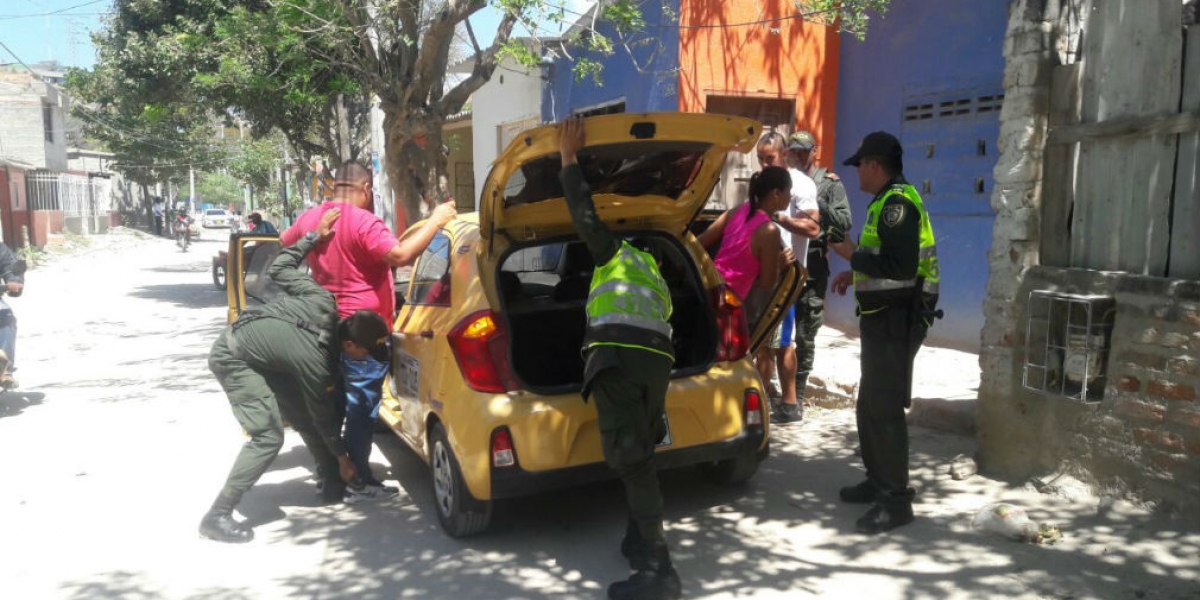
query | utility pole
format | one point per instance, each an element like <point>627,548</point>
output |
<point>245,188</point>
<point>343,124</point>
<point>191,190</point>
<point>283,183</point>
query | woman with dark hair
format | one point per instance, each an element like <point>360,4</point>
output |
<point>752,252</point>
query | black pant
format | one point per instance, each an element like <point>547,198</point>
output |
<point>629,401</point>
<point>810,315</point>
<point>890,340</point>
<point>158,224</point>
<point>266,383</point>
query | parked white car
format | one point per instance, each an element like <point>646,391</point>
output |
<point>216,217</point>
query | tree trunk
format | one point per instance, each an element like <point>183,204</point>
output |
<point>418,175</point>
<point>399,165</point>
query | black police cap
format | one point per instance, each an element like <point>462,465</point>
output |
<point>879,143</point>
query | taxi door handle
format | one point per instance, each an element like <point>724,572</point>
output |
<point>427,334</point>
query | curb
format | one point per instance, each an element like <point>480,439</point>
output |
<point>952,416</point>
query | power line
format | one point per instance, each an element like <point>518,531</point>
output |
<point>55,12</point>
<point>62,16</point>
<point>211,161</point>
<point>799,15</point>
<point>84,113</point>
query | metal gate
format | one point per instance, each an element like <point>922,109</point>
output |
<point>85,201</point>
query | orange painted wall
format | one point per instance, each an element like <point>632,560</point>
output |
<point>781,59</point>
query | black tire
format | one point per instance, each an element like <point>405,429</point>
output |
<point>732,471</point>
<point>219,276</point>
<point>459,513</point>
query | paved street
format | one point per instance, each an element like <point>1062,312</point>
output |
<point>119,439</point>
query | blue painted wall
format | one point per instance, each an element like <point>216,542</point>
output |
<point>653,87</point>
<point>944,63</point>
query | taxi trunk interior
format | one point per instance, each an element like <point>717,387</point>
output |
<point>544,289</point>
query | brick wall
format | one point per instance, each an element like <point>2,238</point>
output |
<point>1153,387</point>
<point>1143,438</point>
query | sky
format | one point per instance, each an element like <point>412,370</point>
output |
<point>40,30</point>
<point>35,35</point>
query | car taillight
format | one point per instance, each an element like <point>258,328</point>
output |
<point>502,449</point>
<point>480,346</point>
<point>733,337</point>
<point>753,406</point>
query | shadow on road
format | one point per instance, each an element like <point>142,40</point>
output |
<point>725,541</point>
<point>13,403</point>
<point>186,295</point>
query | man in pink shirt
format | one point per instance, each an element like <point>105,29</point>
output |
<point>356,266</point>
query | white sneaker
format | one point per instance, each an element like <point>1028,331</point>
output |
<point>369,492</point>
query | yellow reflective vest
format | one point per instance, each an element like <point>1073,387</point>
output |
<point>927,265</point>
<point>629,304</point>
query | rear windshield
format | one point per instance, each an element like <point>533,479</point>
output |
<point>634,169</point>
<point>216,212</point>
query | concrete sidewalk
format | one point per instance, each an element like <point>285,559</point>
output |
<point>945,381</point>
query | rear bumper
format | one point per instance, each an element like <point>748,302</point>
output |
<point>511,482</point>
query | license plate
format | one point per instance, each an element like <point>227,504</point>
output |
<point>666,441</point>
<point>407,373</point>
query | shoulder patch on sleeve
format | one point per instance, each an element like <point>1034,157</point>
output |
<point>893,214</point>
<point>831,175</point>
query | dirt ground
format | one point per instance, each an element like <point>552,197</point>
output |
<point>119,439</point>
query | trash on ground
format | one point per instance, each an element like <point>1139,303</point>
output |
<point>1012,522</point>
<point>962,467</point>
<point>1048,534</point>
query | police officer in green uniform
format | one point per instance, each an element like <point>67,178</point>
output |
<point>274,363</point>
<point>835,223</point>
<point>628,359</point>
<point>895,278</point>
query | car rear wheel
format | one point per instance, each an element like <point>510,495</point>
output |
<point>459,513</point>
<point>218,273</point>
<point>732,471</point>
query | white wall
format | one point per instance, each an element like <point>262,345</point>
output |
<point>56,151</point>
<point>512,95</point>
<point>22,130</point>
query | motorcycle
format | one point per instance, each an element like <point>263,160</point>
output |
<point>183,230</point>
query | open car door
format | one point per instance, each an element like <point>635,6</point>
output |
<point>250,255</point>
<point>765,310</point>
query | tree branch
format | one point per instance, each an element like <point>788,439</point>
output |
<point>485,63</point>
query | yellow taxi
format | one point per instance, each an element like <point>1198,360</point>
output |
<point>486,365</point>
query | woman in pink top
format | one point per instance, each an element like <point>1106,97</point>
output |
<point>752,251</point>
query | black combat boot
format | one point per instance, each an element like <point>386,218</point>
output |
<point>889,512</point>
<point>220,526</point>
<point>656,581</point>
<point>634,547</point>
